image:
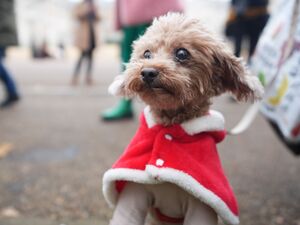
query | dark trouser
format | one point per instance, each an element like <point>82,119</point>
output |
<point>5,77</point>
<point>239,34</point>
<point>251,29</point>
<point>255,27</point>
<point>88,55</point>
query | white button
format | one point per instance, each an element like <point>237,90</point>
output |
<point>168,137</point>
<point>160,162</point>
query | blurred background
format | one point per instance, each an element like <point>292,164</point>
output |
<point>56,143</point>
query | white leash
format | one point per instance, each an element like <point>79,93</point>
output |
<point>246,120</point>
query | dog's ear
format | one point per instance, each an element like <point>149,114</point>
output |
<point>235,77</point>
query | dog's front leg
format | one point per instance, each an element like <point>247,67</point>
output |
<point>133,205</point>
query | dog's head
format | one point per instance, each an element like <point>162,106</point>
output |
<point>177,62</point>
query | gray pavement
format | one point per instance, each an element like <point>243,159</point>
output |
<point>60,149</point>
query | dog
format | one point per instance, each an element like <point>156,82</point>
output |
<point>171,168</point>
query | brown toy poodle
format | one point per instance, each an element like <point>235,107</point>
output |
<point>171,167</point>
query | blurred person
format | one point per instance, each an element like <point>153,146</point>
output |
<point>8,37</point>
<point>86,38</point>
<point>133,20</point>
<point>246,20</point>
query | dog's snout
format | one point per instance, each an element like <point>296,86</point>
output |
<point>149,74</point>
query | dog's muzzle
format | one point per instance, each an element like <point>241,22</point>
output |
<point>149,75</point>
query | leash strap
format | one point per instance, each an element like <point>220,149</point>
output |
<point>246,120</point>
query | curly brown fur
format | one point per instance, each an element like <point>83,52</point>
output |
<point>183,88</point>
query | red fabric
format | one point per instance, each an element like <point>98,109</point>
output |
<point>194,155</point>
<point>167,219</point>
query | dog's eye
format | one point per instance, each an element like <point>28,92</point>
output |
<point>147,54</point>
<point>182,54</point>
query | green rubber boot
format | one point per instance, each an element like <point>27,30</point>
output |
<point>122,111</point>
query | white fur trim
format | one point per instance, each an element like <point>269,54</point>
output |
<point>149,117</point>
<point>214,121</point>
<point>154,175</point>
<point>112,175</point>
<point>115,87</point>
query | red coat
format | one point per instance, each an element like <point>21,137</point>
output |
<point>184,155</point>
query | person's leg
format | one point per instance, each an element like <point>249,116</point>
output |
<point>124,108</point>
<point>10,86</point>
<point>255,27</point>
<point>132,206</point>
<point>77,68</point>
<point>253,39</point>
<point>238,39</point>
<point>89,58</point>
<point>239,35</point>
<point>199,214</point>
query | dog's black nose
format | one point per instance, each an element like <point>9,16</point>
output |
<point>149,74</point>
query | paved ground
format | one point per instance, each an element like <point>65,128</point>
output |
<point>60,149</point>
